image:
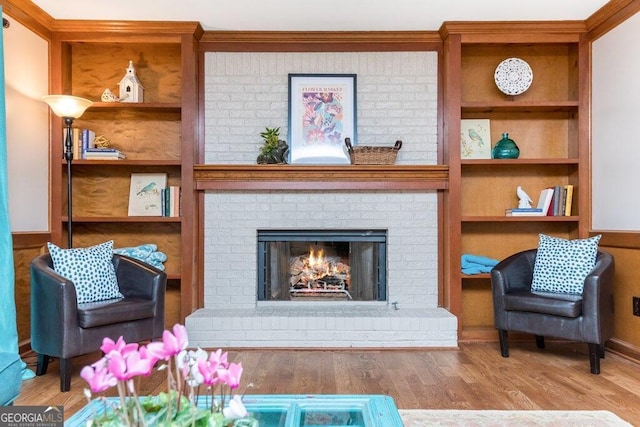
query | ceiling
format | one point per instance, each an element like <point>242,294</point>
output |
<point>323,15</point>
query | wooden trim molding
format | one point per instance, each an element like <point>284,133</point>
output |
<point>29,15</point>
<point>30,240</point>
<point>618,239</point>
<point>321,177</point>
<point>624,349</point>
<point>514,31</point>
<point>610,15</point>
<point>319,41</point>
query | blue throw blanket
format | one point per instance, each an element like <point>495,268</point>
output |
<point>146,253</point>
<point>476,264</point>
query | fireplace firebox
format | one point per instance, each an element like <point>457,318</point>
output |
<point>325,265</point>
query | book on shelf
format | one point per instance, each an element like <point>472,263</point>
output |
<point>103,154</point>
<point>544,202</point>
<point>525,212</point>
<point>171,201</point>
<point>145,194</point>
<point>558,200</point>
<point>568,200</point>
<point>174,192</point>
<point>87,138</point>
<point>75,142</point>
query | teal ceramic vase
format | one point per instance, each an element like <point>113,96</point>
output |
<point>506,148</point>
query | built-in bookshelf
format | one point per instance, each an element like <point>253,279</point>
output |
<point>548,122</point>
<point>156,136</point>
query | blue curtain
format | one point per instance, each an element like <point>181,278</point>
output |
<point>8,327</point>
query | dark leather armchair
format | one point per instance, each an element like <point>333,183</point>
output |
<point>584,318</point>
<point>63,329</point>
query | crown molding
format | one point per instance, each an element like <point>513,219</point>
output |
<point>610,15</point>
<point>319,41</point>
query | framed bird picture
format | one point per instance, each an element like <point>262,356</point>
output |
<point>475,139</point>
<point>145,194</point>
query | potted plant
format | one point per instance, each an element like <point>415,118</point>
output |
<point>274,150</point>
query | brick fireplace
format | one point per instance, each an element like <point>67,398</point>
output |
<point>244,92</point>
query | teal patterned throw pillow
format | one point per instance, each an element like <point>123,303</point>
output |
<point>90,269</point>
<point>562,265</point>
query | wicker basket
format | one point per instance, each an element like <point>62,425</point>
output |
<point>367,155</point>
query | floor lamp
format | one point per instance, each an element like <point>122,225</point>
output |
<point>69,108</point>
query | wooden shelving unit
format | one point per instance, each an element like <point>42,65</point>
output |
<point>158,135</point>
<point>548,122</point>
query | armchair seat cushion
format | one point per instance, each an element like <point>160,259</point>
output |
<point>555,304</point>
<point>101,313</point>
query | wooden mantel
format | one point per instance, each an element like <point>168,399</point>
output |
<point>321,177</point>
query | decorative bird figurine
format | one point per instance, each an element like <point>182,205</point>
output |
<point>525,200</point>
<point>146,189</point>
<point>475,137</point>
<point>108,96</point>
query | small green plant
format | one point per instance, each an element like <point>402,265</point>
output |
<point>271,137</point>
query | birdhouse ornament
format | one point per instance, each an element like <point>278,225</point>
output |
<point>130,87</point>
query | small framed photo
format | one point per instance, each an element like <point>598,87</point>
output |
<point>322,113</point>
<point>475,139</point>
<point>145,194</point>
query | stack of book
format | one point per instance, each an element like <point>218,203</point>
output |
<point>102,154</point>
<point>553,201</point>
<point>171,201</point>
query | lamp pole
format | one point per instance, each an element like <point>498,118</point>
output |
<point>68,156</point>
<point>68,108</point>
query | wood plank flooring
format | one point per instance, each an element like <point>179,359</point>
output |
<point>474,376</point>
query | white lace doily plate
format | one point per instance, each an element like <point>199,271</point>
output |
<point>513,76</point>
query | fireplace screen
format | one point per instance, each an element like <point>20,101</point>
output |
<point>327,265</point>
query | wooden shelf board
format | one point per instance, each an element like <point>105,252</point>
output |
<point>520,218</point>
<point>124,162</point>
<point>99,219</point>
<point>518,106</point>
<point>520,162</point>
<point>321,177</point>
<point>158,106</point>
<point>476,276</point>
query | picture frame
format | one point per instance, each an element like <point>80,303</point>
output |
<point>145,194</point>
<point>322,113</point>
<point>475,139</point>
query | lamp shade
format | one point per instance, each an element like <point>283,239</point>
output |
<point>67,106</point>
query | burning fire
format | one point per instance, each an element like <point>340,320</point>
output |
<point>315,261</point>
<point>316,271</point>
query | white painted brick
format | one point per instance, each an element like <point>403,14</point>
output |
<point>396,99</point>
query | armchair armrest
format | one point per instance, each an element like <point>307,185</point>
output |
<point>597,297</point>
<point>137,279</point>
<point>54,307</point>
<point>514,273</point>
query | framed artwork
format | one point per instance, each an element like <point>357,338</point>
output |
<point>475,139</point>
<point>145,194</point>
<point>322,113</point>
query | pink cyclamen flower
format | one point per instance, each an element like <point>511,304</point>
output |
<point>231,376</point>
<point>172,343</point>
<point>129,366</point>
<point>108,345</point>
<point>236,409</point>
<point>98,376</point>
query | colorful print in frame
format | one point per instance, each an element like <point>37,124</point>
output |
<point>322,113</point>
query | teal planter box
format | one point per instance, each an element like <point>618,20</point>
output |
<point>291,410</point>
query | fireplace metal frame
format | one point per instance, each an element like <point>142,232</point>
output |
<point>322,235</point>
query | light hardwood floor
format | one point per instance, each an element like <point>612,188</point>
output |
<point>474,376</point>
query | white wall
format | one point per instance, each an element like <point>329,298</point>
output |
<point>615,118</point>
<point>26,63</point>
